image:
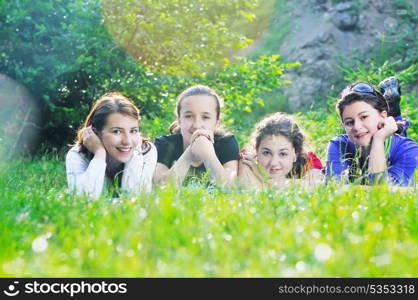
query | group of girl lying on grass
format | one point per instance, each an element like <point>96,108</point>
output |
<point>110,151</point>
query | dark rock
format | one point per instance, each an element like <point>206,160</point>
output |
<point>322,37</point>
<point>345,21</point>
<point>322,69</point>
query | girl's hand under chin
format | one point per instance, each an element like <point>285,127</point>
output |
<point>203,132</point>
<point>202,147</point>
<point>386,129</point>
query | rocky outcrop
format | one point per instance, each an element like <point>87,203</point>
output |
<point>324,33</point>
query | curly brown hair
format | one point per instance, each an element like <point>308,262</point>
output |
<point>281,124</point>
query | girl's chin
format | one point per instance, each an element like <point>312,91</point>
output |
<point>362,142</point>
<point>277,178</point>
<point>121,158</point>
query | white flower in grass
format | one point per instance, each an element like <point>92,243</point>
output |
<point>288,272</point>
<point>355,215</point>
<point>301,266</point>
<point>381,260</point>
<point>227,237</point>
<point>40,244</point>
<point>142,214</point>
<point>377,227</point>
<point>323,252</point>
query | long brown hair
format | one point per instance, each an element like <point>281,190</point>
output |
<point>112,102</point>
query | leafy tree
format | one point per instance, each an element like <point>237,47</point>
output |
<point>187,37</point>
<point>63,53</point>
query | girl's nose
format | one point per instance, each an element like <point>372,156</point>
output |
<point>357,125</point>
<point>126,139</point>
<point>275,161</point>
<point>197,124</point>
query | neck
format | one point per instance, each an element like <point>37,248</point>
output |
<point>113,166</point>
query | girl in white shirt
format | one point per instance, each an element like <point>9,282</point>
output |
<point>109,149</point>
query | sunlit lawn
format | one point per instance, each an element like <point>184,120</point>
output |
<point>328,231</point>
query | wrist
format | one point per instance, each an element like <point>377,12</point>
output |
<point>100,152</point>
<point>209,154</point>
<point>377,139</point>
<point>188,155</point>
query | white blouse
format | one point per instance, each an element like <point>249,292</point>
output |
<point>86,176</point>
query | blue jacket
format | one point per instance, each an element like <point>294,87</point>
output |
<point>401,161</point>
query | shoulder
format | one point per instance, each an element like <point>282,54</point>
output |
<point>400,139</point>
<point>226,143</point>
<point>342,138</point>
<point>167,139</point>
<point>341,143</point>
<point>150,151</point>
<point>226,148</point>
<point>225,139</point>
<point>76,160</point>
<point>402,143</point>
<point>75,153</point>
<point>172,140</point>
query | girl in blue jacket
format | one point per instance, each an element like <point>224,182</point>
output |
<point>375,147</point>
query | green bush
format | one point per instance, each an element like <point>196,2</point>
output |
<point>62,52</point>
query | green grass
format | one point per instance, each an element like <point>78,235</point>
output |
<point>191,232</point>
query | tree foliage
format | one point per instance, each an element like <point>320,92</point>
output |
<point>179,37</point>
<point>63,53</point>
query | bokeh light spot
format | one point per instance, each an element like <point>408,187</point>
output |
<point>188,37</point>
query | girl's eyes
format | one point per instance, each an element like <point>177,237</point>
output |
<point>204,117</point>
<point>363,117</point>
<point>281,154</point>
<point>118,131</point>
<point>349,123</point>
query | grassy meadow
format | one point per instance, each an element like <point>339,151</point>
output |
<point>326,231</point>
<point>331,230</point>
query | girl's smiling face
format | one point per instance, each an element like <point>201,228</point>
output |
<point>276,154</point>
<point>197,112</point>
<point>120,136</point>
<point>361,121</point>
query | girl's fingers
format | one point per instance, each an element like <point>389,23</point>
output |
<point>199,134</point>
<point>249,156</point>
<point>391,124</point>
<point>251,164</point>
